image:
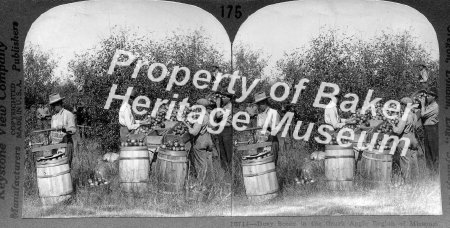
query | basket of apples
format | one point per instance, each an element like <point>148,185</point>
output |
<point>178,133</point>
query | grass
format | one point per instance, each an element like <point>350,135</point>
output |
<point>423,198</point>
<point>110,201</point>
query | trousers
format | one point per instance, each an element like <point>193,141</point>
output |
<point>226,147</point>
<point>432,147</point>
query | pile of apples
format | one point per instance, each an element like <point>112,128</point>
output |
<point>174,145</point>
<point>145,130</point>
<point>158,122</point>
<point>362,119</point>
<point>378,145</point>
<point>385,128</point>
<point>379,113</point>
<point>97,181</point>
<point>180,130</point>
<point>133,142</point>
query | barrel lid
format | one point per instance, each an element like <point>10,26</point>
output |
<point>253,146</point>
<point>253,156</point>
<point>258,161</point>
<point>132,148</point>
<point>51,161</point>
<point>51,157</point>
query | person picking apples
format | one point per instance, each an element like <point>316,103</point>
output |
<point>409,166</point>
<point>201,151</point>
<point>64,123</point>
<point>126,119</point>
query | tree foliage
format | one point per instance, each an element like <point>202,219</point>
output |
<point>194,51</point>
<point>385,64</point>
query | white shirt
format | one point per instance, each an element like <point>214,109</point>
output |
<point>261,118</point>
<point>423,75</point>
<point>126,117</point>
<point>64,119</point>
<point>332,116</point>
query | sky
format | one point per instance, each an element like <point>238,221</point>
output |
<point>283,27</point>
<point>77,27</point>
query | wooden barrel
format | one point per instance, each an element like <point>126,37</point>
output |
<point>171,168</point>
<point>54,180</point>
<point>134,168</point>
<point>376,168</point>
<point>260,178</point>
<point>339,166</point>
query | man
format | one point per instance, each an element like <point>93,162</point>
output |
<point>430,120</point>
<point>331,117</point>
<point>261,100</point>
<point>63,122</point>
<point>126,119</point>
<point>226,136</point>
<point>409,166</point>
<point>423,75</point>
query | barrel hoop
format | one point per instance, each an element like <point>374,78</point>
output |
<point>173,153</point>
<point>170,160</point>
<point>169,183</point>
<point>55,175</point>
<point>267,193</point>
<point>347,156</point>
<point>348,179</point>
<point>63,194</point>
<point>259,174</point>
<point>171,193</point>
<point>133,158</point>
<point>376,159</point>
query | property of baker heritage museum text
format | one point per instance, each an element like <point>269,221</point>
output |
<point>156,121</point>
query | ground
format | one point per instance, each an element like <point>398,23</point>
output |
<point>423,198</point>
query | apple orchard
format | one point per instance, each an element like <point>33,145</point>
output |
<point>202,80</point>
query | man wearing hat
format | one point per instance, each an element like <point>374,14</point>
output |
<point>430,120</point>
<point>126,119</point>
<point>423,73</point>
<point>262,102</point>
<point>409,166</point>
<point>226,136</point>
<point>64,123</point>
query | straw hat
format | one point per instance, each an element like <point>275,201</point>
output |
<point>54,97</point>
<point>260,97</point>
